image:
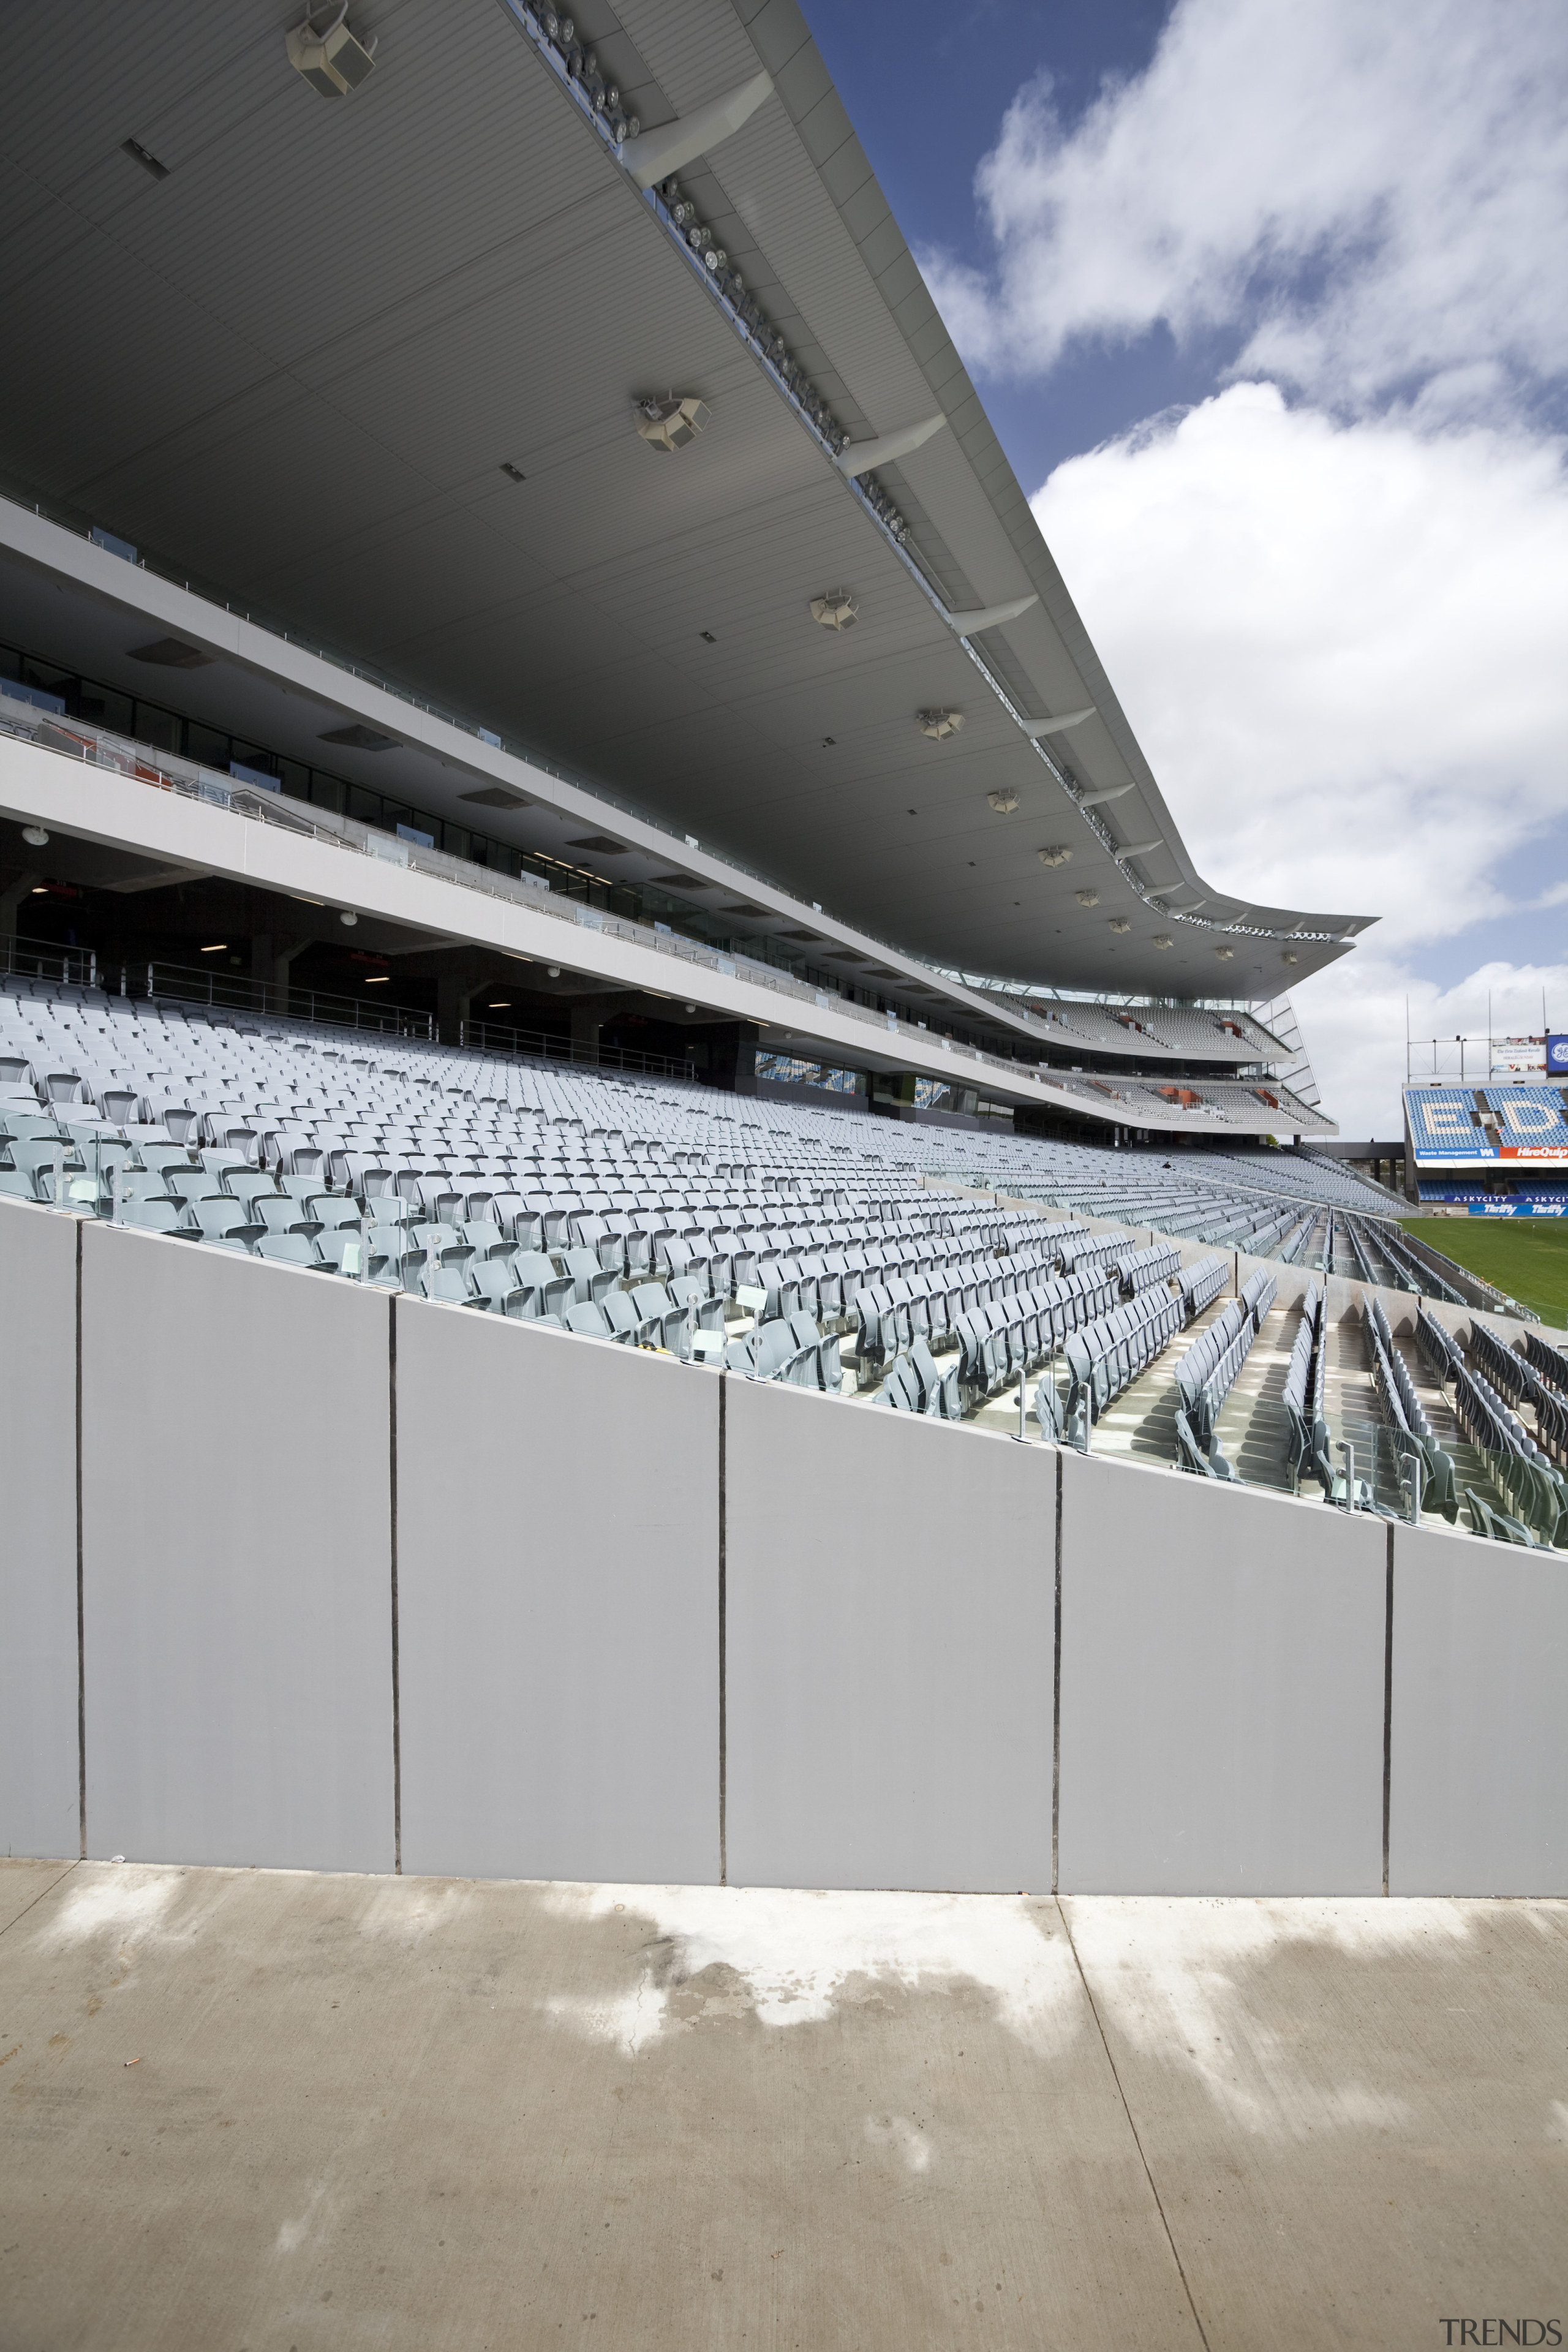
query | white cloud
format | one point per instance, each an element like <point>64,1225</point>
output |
<point>1365,201</point>
<point>1354,1017</point>
<point>1341,646</point>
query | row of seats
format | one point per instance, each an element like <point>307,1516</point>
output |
<point>1533,1489</point>
<point>1109,1355</point>
<point>1406,1416</point>
<point>1304,1400</point>
<point>1202,1283</point>
<point>1512,1460</point>
<point>914,1384</point>
<point>1207,1373</point>
<point>999,1343</point>
<point>1145,1268</point>
<point>933,1301</point>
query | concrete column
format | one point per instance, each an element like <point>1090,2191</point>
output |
<point>454,991</point>
<point>283,954</point>
<point>260,966</point>
<point>585,1024</point>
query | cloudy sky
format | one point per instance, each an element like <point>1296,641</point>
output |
<point>1269,304</point>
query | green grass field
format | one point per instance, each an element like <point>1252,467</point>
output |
<point>1526,1259</point>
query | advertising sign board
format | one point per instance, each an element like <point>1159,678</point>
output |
<point>1518,1057</point>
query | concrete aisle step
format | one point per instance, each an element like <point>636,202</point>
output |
<point>1252,1429</point>
<point>1354,1411</point>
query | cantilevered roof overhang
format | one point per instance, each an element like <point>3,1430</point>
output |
<point>308,366</point>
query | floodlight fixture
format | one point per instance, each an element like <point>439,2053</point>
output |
<point>1087,898</point>
<point>35,837</point>
<point>672,423</point>
<point>837,610</point>
<point>334,62</point>
<point>1059,854</point>
<point>1004,802</point>
<point>940,724</point>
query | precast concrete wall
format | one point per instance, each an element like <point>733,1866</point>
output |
<point>367,1583</point>
<point>1478,1761</point>
<point>236,1626</point>
<point>557,1602</point>
<point>40,1767</point>
<point>889,1589</point>
<point>1222,1688</point>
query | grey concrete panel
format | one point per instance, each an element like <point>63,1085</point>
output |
<point>40,1791</point>
<point>1222,1689</point>
<point>890,1619</point>
<point>1479,1777</point>
<point>236,1559</point>
<point>558,1604</point>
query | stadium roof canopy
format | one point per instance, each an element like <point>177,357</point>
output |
<point>369,366</point>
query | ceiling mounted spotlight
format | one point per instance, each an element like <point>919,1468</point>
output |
<point>837,610</point>
<point>1162,940</point>
<point>1087,898</point>
<point>1225,954</point>
<point>34,836</point>
<point>691,1008</point>
<point>1120,923</point>
<point>1058,855</point>
<point>670,424</point>
<point>553,970</point>
<point>1289,956</point>
<point>333,62</point>
<point>1004,802</point>
<point>940,724</point>
<point>348,919</point>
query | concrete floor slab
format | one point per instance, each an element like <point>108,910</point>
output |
<point>22,1882</point>
<point>283,2112</point>
<point>1356,2111</point>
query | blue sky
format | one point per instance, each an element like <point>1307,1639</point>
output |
<point>1265,305</point>
<point>926,87</point>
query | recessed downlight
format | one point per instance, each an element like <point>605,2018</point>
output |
<point>140,155</point>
